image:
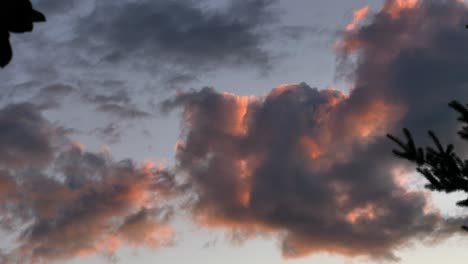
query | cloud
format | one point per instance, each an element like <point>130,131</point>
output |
<point>110,133</point>
<point>151,39</point>
<point>89,204</point>
<point>411,55</point>
<point>60,201</point>
<point>122,112</point>
<point>278,165</point>
<point>132,48</point>
<point>180,32</point>
<point>118,103</point>
<point>25,136</point>
<point>313,166</point>
<point>93,46</point>
<point>359,15</point>
<point>50,96</point>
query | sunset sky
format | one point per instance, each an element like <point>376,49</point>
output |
<point>230,131</point>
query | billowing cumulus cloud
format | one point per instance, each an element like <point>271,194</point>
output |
<point>62,202</point>
<point>314,166</point>
<point>278,164</point>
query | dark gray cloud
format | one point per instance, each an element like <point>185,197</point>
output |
<point>25,136</point>
<point>314,167</point>
<point>181,32</point>
<point>122,111</point>
<point>158,38</point>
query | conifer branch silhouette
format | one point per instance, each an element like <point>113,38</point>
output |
<point>441,166</point>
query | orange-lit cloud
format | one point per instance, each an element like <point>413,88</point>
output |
<point>238,115</point>
<point>378,118</point>
<point>393,8</point>
<point>359,15</point>
<point>312,149</point>
<point>285,172</point>
<point>368,212</point>
<point>281,89</point>
<point>91,204</point>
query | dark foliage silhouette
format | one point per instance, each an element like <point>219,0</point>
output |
<point>16,16</point>
<point>441,166</point>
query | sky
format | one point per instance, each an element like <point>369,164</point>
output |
<point>226,131</point>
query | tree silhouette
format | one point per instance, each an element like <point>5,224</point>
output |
<point>441,166</point>
<point>16,16</point>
